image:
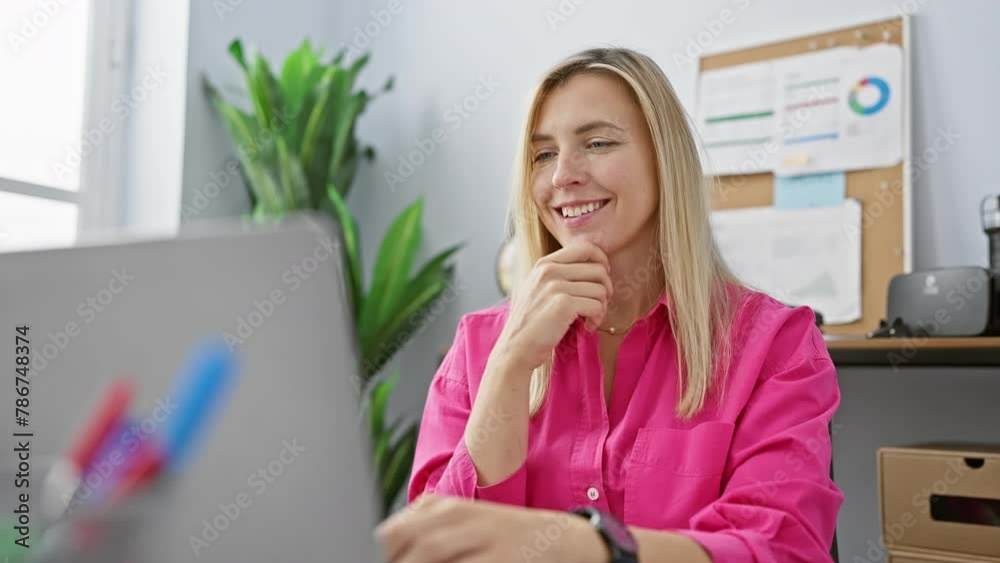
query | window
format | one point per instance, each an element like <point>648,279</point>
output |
<point>57,71</point>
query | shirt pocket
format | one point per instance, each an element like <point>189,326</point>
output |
<point>673,473</point>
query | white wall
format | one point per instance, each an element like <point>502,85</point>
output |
<point>273,28</point>
<point>439,51</point>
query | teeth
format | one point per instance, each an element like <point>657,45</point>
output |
<point>577,210</point>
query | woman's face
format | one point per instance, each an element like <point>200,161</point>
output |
<point>594,171</point>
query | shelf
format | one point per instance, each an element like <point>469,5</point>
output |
<point>897,352</point>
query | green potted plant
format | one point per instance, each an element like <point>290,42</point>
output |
<point>298,151</point>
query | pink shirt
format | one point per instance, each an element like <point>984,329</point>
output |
<point>748,478</point>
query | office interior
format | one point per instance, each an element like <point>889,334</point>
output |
<point>117,133</point>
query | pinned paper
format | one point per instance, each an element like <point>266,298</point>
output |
<point>845,110</point>
<point>800,257</point>
<point>811,190</point>
<point>735,116</point>
<point>800,159</point>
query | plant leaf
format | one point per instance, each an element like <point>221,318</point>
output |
<point>315,151</point>
<point>298,66</point>
<point>293,181</point>
<point>389,338</point>
<point>398,467</point>
<point>381,442</point>
<point>343,175</point>
<point>299,76</point>
<point>343,134</point>
<point>379,399</point>
<point>349,230</point>
<point>339,57</point>
<point>392,268</point>
<point>236,50</point>
<point>421,292</point>
<point>264,94</point>
<point>358,65</point>
<point>244,133</point>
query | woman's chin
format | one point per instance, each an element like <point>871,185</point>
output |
<point>596,237</point>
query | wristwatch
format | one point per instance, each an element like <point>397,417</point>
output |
<point>616,536</point>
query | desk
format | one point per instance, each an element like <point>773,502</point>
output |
<point>898,392</point>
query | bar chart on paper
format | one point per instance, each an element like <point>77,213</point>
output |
<point>798,256</point>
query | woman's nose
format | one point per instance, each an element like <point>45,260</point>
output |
<point>569,171</point>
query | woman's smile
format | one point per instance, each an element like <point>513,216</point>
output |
<point>576,214</point>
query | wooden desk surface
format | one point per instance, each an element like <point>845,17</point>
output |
<point>915,351</point>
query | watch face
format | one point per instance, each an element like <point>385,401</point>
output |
<point>618,533</point>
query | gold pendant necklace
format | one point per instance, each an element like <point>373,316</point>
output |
<point>613,331</point>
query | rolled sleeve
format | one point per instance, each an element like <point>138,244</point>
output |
<point>461,472</point>
<point>441,462</point>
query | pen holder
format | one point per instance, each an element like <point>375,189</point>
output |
<point>21,520</point>
<point>85,534</point>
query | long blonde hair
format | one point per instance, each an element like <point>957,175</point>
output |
<point>698,285</point>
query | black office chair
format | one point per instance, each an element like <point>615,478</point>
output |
<point>833,549</point>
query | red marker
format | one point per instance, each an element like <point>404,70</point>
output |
<point>143,467</point>
<point>63,479</point>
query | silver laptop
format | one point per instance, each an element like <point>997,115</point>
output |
<point>281,472</point>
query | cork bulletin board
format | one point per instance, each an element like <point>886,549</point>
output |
<point>884,193</point>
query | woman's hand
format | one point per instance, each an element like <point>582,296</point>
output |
<point>449,530</point>
<point>572,282</point>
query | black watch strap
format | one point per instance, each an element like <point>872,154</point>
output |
<point>616,536</point>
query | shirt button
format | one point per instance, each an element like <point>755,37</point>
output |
<point>593,494</point>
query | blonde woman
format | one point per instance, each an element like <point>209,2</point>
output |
<point>632,401</point>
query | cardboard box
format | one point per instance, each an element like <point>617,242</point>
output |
<point>940,498</point>
<point>926,557</point>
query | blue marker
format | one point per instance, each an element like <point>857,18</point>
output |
<point>197,393</point>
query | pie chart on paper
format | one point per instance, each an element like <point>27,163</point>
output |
<point>870,95</point>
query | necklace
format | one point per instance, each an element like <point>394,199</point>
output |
<point>613,331</point>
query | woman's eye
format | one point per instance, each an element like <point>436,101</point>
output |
<point>543,156</point>
<point>599,144</point>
